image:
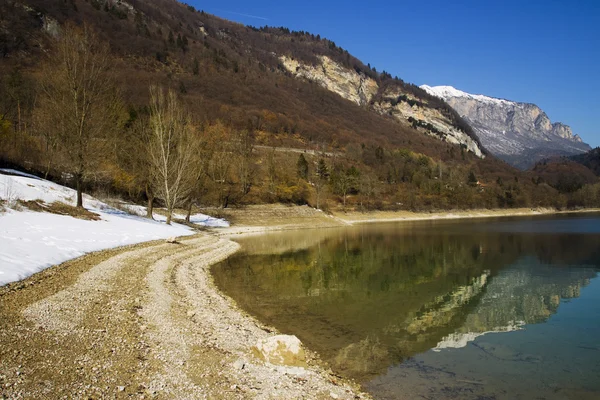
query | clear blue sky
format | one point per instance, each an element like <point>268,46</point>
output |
<point>542,52</point>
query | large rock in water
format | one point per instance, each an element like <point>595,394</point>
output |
<point>281,350</point>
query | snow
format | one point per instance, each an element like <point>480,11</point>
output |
<point>18,173</point>
<point>196,219</point>
<point>447,92</point>
<point>32,241</point>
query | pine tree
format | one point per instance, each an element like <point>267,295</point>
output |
<point>322,174</point>
<point>302,167</point>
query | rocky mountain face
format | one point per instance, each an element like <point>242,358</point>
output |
<point>405,107</point>
<point>519,133</point>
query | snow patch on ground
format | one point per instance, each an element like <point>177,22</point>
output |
<point>196,219</point>
<point>32,241</point>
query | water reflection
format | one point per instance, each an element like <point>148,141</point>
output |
<point>368,298</point>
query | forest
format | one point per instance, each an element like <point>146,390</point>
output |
<point>165,104</point>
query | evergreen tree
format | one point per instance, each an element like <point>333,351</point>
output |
<point>322,174</point>
<point>302,167</point>
<point>472,179</point>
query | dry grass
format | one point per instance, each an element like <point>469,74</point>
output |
<point>59,208</point>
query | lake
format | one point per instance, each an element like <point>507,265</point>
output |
<point>482,308</point>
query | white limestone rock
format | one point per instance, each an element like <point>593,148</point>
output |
<point>284,350</point>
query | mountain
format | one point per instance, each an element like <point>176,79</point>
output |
<point>519,133</point>
<point>407,104</point>
<point>395,144</point>
<point>269,75</point>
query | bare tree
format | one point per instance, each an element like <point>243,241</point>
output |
<point>80,100</point>
<point>271,171</point>
<point>171,149</point>
<point>199,172</point>
<point>244,147</point>
<point>367,187</point>
<point>344,180</point>
<point>139,161</point>
<point>219,166</point>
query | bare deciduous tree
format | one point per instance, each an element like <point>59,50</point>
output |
<point>80,102</point>
<point>244,147</point>
<point>171,148</point>
<point>219,166</point>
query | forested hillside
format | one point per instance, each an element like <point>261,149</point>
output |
<point>255,130</point>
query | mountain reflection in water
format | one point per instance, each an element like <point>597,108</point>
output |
<point>368,298</point>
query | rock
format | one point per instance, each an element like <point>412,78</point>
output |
<point>281,350</point>
<point>172,240</point>
<point>121,388</point>
<point>359,88</point>
<point>239,364</point>
<point>333,395</point>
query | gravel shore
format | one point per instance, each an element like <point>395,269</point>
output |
<point>143,322</point>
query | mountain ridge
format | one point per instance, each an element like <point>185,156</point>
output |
<point>519,133</point>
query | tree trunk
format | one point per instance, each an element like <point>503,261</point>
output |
<point>150,207</point>
<point>318,195</point>
<point>78,179</point>
<point>47,170</point>
<point>169,216</point>
<point>189,212</point>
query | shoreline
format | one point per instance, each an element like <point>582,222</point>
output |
<point>169,322</point>
<point>340,219</point>
<point>461,214</point>
<point>145,321</point>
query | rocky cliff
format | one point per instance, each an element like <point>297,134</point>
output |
<point>519,133</point>
<point>390,100</point>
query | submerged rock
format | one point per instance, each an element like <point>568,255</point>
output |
<point>281,350</point>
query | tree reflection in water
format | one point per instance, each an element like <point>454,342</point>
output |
<point>367,298</point>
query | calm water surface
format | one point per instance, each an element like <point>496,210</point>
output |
<point>504,308</point>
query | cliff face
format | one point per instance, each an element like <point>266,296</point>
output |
<point>389,100</point>
<point>358,88</point>
<point>519,133</point>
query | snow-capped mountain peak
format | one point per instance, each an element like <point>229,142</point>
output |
<point>519,133</point>
<point>446,92</point>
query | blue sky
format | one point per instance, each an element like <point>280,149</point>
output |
<point>542,52</point>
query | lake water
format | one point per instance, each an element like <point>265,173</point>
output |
<point>469,309</point>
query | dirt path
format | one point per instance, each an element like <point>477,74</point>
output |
<point>144,321</point>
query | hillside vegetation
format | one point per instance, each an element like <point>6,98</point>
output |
<point>260,133</point>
